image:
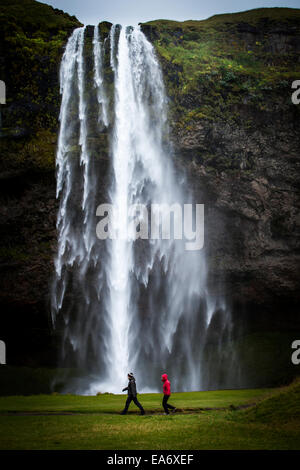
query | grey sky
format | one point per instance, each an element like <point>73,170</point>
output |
<point>135,11</point>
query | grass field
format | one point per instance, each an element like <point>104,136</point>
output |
<point>204,420</point>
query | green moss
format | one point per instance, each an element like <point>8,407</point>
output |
<point>216,63</point>
<point>36,152</point>
<point>13,253</point>
<point>228,20</point>
<point>281,407</point>
<point>36,18</point>
<point>104,28</point>
<point>32,35</point>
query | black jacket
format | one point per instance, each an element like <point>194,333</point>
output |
<point>131,388</point>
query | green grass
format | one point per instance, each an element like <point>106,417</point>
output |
<point>108,403</point>
<point>32,36</point>
<point>225,20</point>
<point>210,430</point>
<point>95,424</point>
<point>217,60</point>
<point>282,407</point>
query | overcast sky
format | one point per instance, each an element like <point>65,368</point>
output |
<point>131,12</point>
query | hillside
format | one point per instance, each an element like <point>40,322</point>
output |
<point>32,37</point>
<point>227,60</point>
<point>282,406</point>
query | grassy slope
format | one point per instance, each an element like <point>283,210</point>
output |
<point>199,46</point>
<point>218,59</point>
<point>281,407</point>
<point>214,429</point>
<point>35,16</point>
<point>114,403</point>
<point>209,430</point>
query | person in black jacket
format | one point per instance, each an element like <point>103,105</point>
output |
<point>131,388</point>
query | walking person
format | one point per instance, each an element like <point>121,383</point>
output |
<point>131,388</point>
<point>167,393</point>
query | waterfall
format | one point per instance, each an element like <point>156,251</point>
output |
<point>127,304</point>
<point>99,79</point>
<point>78,279</point>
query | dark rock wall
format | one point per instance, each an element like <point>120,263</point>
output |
<point>236,134</point>
<point>32,40</point>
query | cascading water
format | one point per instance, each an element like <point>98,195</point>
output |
<point>78,280</point>
<point>128,304</point>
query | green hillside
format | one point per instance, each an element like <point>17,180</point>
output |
<point>227,59</point>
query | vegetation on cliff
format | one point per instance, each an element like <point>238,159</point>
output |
<point>215,65</point>
<point>32,36</point>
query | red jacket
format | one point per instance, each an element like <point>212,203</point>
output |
<point>166,385</point>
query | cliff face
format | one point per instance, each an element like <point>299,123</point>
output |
<point>235,135</point>
<point>32,37</point>
<point>235,131</point>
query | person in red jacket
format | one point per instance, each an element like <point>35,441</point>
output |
<point>167,393</point>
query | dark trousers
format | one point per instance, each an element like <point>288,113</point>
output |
<point>166,405</point>
<point>135,401</point>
